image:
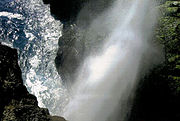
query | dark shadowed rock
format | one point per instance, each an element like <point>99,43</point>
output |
<point>16,104</point>
<point>65,10</point>
<point>76,16</point>
<point>70,53</point>
<point>68,10</point>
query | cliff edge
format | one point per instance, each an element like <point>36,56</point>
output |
<point>16,103</point>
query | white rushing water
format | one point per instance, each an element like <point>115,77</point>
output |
<point>28,26</point>
<point>40,75</point>
<point>107,79</point>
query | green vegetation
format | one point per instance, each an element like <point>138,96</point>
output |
<point>168,34</point>
<point>158,94</point>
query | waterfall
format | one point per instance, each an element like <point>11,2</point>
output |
<point>106,79</point>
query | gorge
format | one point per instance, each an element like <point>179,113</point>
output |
<point>108,54</point>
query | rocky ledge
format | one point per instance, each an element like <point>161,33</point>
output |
<point>16,103</point>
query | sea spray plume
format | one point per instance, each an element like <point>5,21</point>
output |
<point>104,78</point>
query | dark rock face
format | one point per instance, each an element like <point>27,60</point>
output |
<point>68,10</point>
<point>70,54</point>
<point>16,104</point>
<point>65,10</point>
<point>76,15</point>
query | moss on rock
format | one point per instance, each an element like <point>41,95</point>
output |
<point>158,94</point>
<point>168,34</point>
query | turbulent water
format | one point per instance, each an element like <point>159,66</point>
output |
<point>105,79</point>
<point>28,26</point>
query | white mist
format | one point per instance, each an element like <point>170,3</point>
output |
<point>108,78</point>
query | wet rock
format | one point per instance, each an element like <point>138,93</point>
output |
<point>56,118</point>
<point>16,104</point>
<point>76,15</point>
<point>70,54</point>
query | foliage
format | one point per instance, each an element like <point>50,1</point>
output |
<point>158,94</point>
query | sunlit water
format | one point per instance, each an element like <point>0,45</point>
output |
<point>28,26</point>
<point>104,80</point>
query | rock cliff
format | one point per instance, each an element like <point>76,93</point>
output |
<point>76,15</point>
<point>158,93</point>
<point>16,103</point>
<point>68,10</point>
